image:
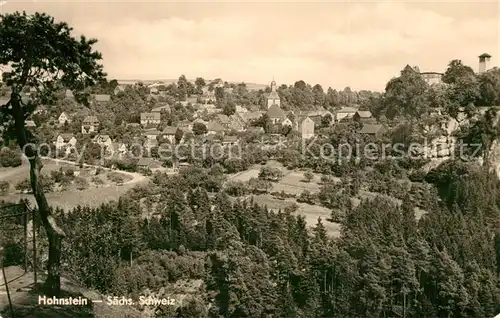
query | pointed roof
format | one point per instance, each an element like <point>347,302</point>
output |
<point>90,119</point>
<point>214,126</point>
<point>371,129</point>
<point>102,97</point>
<point>275,112</point>
<point>150,116</point>
<point>347,110</point>
<point>273,95</point>
<point>66,137</point>
<point>170,130</point>
<point>364,113</point>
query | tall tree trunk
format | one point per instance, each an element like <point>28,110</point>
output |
<point>54,233</point>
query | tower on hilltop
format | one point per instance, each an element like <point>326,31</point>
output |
<point>483,61</point>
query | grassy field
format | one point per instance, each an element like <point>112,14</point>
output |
<point>245,175</point>
<point>18,174</point>
<point>292,183</point>
<point>310,212</point>
<point>70,197</point>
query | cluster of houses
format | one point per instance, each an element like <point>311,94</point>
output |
<point>304,123</point>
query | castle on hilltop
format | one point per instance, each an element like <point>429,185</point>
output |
<point>436,77</point>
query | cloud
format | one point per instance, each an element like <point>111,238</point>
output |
<point>360,45</point>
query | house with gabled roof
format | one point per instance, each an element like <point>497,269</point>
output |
<point>162,109</point>
<point>364,116</point>
<point>276,114</point>
<point>241,109</point>
<point>223,120</point>
<point>63,118</point>
<point>373,129</point>
<point>306,128</point>
<point>103,140</point>
<point>169,133</point>
<point>119,148</point>
<point>118,89</point>
<point>193,100</point>
<point>151,133</point>
<point>230,140</point>
<point>69,94</point>
<point>345,112</point>
<point>102,98</point>
<point>90,124</point>
<point>214,127</point>
<point>150,119</point>
<point>148,163</point>
<point>185,126</point>
<point>250,116</point>
<point>65,141</point>
<point>236,123</point>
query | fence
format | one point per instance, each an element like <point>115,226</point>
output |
<point>14,242</point>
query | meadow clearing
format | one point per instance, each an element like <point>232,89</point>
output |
<point>310,212</point>
<point>96,193</point>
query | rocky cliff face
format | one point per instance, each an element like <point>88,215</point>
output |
<point>442,146</point>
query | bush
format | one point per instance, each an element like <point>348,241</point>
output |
<point>81,183</point>
<point>4,187</point>
<point>115,177</point>
<point>308,176</point>
<point>236,188</point>
<point>69,172</point>
<point>23,186</point>
<point>10,158</point>
<point>96,180</point>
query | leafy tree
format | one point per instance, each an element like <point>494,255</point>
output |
<point>270,173</point>
<point>229,108</point>
<point>489,87</point>
<point>464,85</point>
<point>308,176</point>
<point>9,158</point>
<point>326,121</point>
<point>42,55</point>
<point>199,129</point>
<point>406,95</point>
<point>178,136</point>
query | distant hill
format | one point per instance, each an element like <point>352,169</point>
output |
<point>250,86</point>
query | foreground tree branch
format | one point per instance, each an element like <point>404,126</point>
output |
<point>40,53</point>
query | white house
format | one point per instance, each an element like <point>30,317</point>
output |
<point>65,141</point>
<point>287,122</point>
<point>90,124</point>
<point>119,148</point>
<point>152,134</point>
<point>64,118</point>
<point>306,128</point>
<point>103,140</point>
<point>169,133</point>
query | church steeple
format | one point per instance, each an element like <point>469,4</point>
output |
<point>273,98</point>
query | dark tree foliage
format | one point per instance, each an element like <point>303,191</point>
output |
<point>42,55</point>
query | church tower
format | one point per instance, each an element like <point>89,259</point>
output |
<point>273,98</point>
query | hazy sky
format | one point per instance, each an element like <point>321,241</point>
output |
<point>337,44</point>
